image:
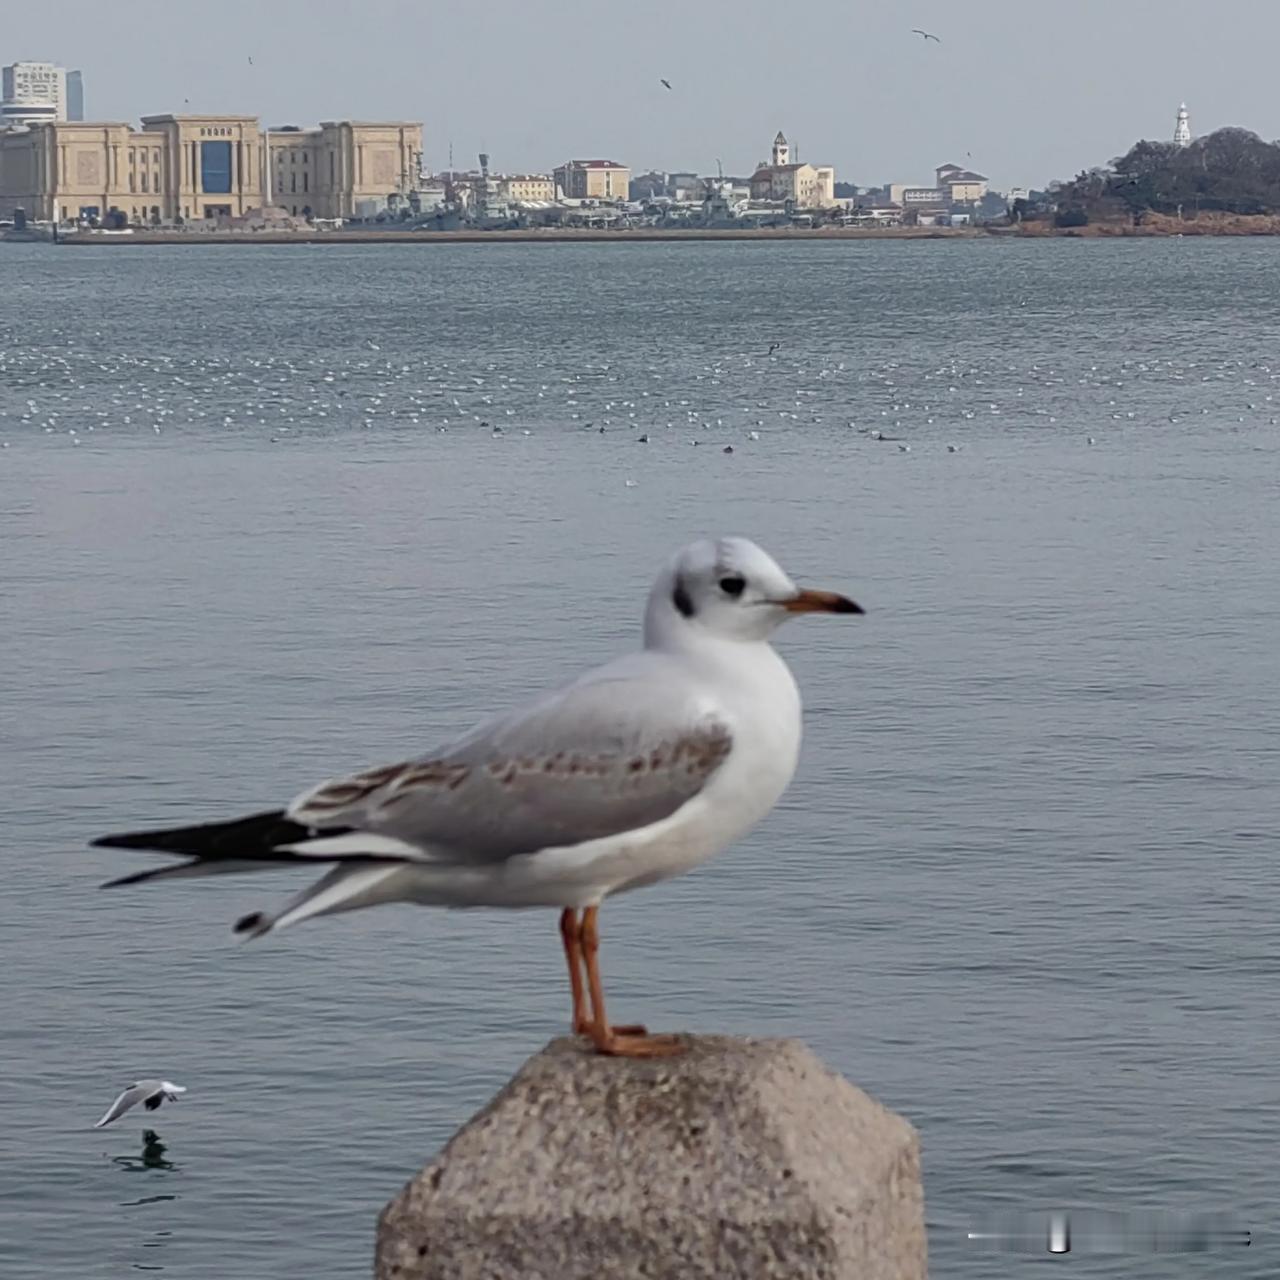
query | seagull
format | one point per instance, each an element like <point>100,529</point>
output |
<point>637,771</point>
<point>666,84</point>
<point>151,1093</point>
<point>773,346</point>
<point>928,35</point>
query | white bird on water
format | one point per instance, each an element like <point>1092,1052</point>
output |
<point>151,1093</point>
<point>635,772</point>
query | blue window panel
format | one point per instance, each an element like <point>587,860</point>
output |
<point>215,168</point>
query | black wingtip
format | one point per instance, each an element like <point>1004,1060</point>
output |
<point>115,842</point>
<point>251,924</point>
<point>136,877</point>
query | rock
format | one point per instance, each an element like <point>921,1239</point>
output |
<point>742,1158</point>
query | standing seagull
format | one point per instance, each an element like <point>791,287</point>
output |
<point>151,1093</point>
<point>928,35</point>
<point>637,771</point>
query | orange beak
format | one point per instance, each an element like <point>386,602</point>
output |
<point>821,602</point>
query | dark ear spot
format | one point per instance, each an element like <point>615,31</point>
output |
<point>680,598</point>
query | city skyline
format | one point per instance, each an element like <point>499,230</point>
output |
<point>1025,99</point>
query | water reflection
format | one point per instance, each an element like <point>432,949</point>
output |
<point>152,1156</point>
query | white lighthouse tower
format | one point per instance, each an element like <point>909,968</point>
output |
<point>1182,131</point>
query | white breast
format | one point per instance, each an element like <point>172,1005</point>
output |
<point>762,703</point>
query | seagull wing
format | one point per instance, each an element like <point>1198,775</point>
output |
<point>623,747</point>
<point>129,1099</point>
<point>615,752</point>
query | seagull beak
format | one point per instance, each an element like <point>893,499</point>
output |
<point>821,602</point>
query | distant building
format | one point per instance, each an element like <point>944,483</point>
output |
<point>526,188</point>
<point>75,96</point>
<point>593,180</point>
<point>962,186</point>
<point>196,167</point>
<point>646,186</point>
<point>36,93</point>
<point>900,193</point>
<point>341,169</point>
<point>805,185</point>
<point>1182,130</point>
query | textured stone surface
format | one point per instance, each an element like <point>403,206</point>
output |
<point>742,1158</point>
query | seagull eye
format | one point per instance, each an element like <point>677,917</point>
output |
<point>733,586</point>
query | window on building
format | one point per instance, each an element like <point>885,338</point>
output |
<point>215,168</point>
<point>132,181</point>
<point>293,182</point>
<point>306,186</point>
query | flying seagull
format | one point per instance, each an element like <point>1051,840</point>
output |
<point>636,771</point>
<point>773,346</point>
<point>666,84</point>
<point>151,1093</point>
<point>928,35</point>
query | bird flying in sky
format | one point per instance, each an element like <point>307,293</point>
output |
<point>666,84</point>
<point>927,35</point>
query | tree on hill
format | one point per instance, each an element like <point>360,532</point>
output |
<point>1231,170</point>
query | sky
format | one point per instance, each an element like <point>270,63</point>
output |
<point>1022,91</point>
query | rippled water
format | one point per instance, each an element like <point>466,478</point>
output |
<point>1023,889</point>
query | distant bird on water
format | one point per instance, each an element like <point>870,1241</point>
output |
<point>773,346</point>
<point>666,84</point>
<point>927,35</point>
<point>151,1093</point>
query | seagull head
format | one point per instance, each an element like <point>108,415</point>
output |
<point>731,589</point>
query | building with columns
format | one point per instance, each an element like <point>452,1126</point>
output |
<point>196,167</point>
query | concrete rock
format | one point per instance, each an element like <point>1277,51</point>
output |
<point>742,1158</point>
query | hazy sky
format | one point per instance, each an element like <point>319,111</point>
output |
<point>1021,90</point>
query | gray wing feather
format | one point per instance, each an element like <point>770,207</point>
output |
<point>129,1099</point>
<point>600,758</point>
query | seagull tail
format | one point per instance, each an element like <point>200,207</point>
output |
<point>260,842</point>
<point>345,888</point>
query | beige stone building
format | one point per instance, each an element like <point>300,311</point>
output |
<point>526,188</point>
<point>593,180</point>
<point>962,186</point>
<point>805,185</point>
<point>196,167</point>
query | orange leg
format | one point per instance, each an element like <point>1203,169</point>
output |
<point>571,936</point>
<point>621,1042</point>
